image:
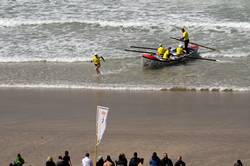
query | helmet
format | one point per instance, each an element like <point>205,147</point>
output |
<point>169,48</point>
<point>160,45</point>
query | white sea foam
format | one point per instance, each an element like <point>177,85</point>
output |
<point>131,23</point>
<point>118,87</point>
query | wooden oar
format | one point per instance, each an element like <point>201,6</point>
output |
<point>150,48</point>
<point>140,51</point>
<point>207,59</point>
<point>196,44</point>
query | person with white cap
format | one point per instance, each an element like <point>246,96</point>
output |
<point>179,50</point>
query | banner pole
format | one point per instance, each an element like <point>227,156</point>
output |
<point>95,157</point>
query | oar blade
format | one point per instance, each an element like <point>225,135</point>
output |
<point>141,47</point>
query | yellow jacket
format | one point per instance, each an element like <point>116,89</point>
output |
<point>160,50</point>
<point>96,60</point>
<point>185,35</point>
<point>179,51</point>
<point>166,54</point>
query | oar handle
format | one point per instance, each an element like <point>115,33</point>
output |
<point>196,44</point>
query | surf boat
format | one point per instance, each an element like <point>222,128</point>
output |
<point>155,61</point>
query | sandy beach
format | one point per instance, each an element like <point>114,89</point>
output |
<point>206,128</point>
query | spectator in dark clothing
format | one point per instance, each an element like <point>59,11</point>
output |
<point>122,161</point>
<point>141,161</point>
<point>166,161</point>
<point>50,162</point>
<point>179,162</point>
<point>110,160</point>
<point>238,163</point>
<point>66,158</point>
<point>100,161</point>
<point>19,160</point>
<point>155,160</point>
<point>134,161</point>
<point>60,162</point>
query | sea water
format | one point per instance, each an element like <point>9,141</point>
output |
<point>49,43</point>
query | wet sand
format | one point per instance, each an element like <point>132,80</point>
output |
<point>206,128</point>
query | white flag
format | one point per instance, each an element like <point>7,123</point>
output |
<point>101,116</point>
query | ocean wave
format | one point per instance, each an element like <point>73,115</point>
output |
<point>214,25</point>
<point>117,87</point>
<point>102,23</point>
<point>224,54</point>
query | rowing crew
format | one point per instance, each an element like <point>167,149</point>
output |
<point>180,50</point>
<point>170,53</point>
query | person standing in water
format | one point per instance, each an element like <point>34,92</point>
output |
<point>97,62</point>
<point>185,38</point>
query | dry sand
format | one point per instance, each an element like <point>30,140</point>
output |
<point>208,129</point>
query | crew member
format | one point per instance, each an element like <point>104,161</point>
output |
<point>97,62</point>
<point>167,54</point>
<point>160,50</point>
<point>179,50</point>
<point>185,39</point>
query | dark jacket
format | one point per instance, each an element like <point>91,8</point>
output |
<point>50,163</point>
<point>155,161</point>
<point>180,163</point>
<point>166,162</point>
<point>134,161</point>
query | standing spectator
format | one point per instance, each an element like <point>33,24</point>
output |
<point>109,161</point>
<point>238,163</point>
<point>179,162</point>
<point>165,161</point>
<point>66,158</point>
<point>50,162</point>
<point>134,161</point>
<point>100,161</point>
<point>141,161</point>
<point>60,162</point>
<point>122,161</point>
<point>86,161</point>
<point>155,160</point>
<point>19,160</point>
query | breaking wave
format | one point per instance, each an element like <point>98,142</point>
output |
<point>215,25</point>
<point>117,87</point>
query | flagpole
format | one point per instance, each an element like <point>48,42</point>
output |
<point>95,157</point>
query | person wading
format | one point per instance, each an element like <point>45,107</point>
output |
<point>97,62</point>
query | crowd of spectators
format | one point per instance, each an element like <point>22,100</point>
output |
<point>122,161</point>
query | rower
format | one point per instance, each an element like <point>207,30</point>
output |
<point>160,50</point>
<point>97,62</point>
<point>179,50</point>
<point>167,54</point>
<point>185,38</point>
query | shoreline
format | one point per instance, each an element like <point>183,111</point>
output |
<point>206,128</point>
